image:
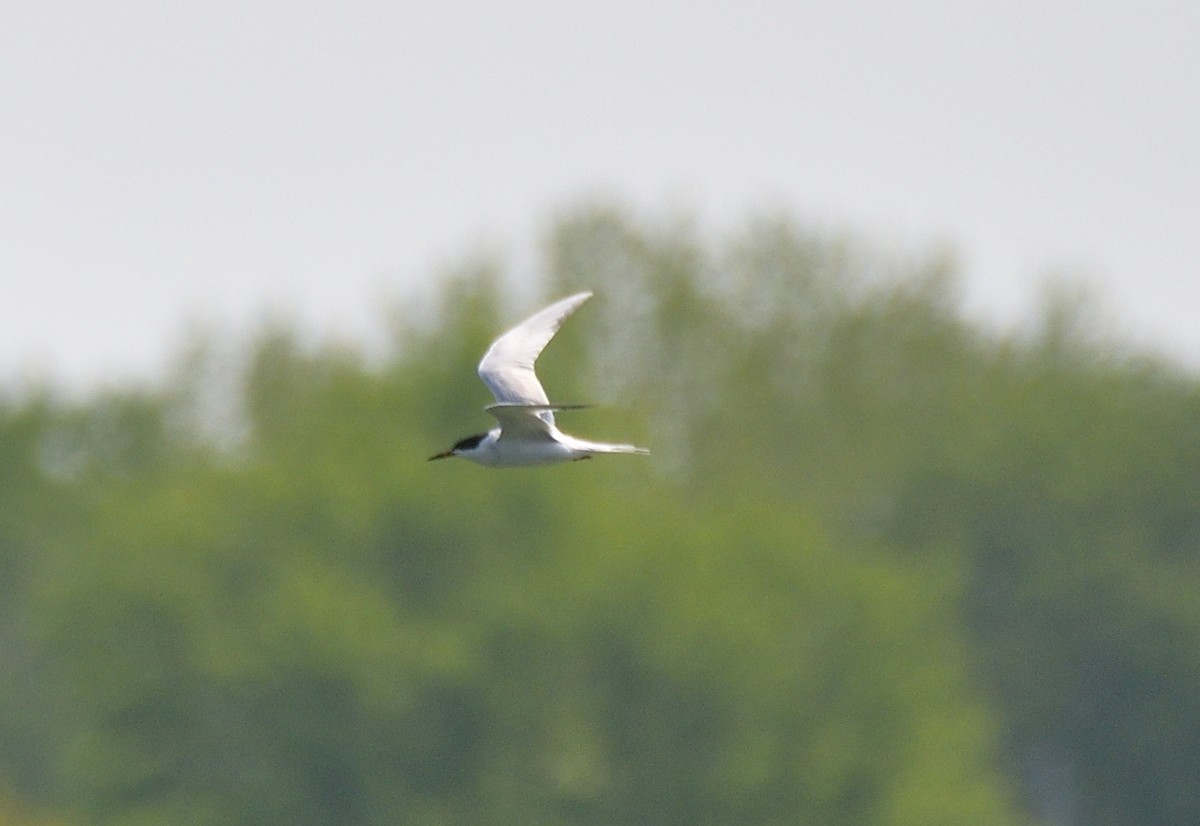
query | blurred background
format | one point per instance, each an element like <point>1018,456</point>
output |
<point>901,298</point>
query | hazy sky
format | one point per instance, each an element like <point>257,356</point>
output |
<point>161,162</point>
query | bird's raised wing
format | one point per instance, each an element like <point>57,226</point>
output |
<point>507,366</point>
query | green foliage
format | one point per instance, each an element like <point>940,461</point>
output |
<point>882,568</point>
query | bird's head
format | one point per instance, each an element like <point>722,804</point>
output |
<point>461,446</point>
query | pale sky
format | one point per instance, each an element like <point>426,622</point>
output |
<point>162,163</point>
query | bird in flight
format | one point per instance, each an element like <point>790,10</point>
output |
<point>527,435</point>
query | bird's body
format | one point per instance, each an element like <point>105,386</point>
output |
<point>527,435</point>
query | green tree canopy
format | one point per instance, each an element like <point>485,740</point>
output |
<point>883,567</point>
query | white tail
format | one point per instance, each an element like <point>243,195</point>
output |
<point>604,447</point>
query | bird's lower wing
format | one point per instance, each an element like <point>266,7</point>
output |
<point>527,419</point>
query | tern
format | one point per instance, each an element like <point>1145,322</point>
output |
<point>527,435</point>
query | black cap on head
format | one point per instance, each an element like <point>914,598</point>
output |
<point>469,442</point>
<point>461,444</point>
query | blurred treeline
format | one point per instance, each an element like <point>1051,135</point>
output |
<point>884,566</point>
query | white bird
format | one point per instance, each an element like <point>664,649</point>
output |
<point>527,434</point>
